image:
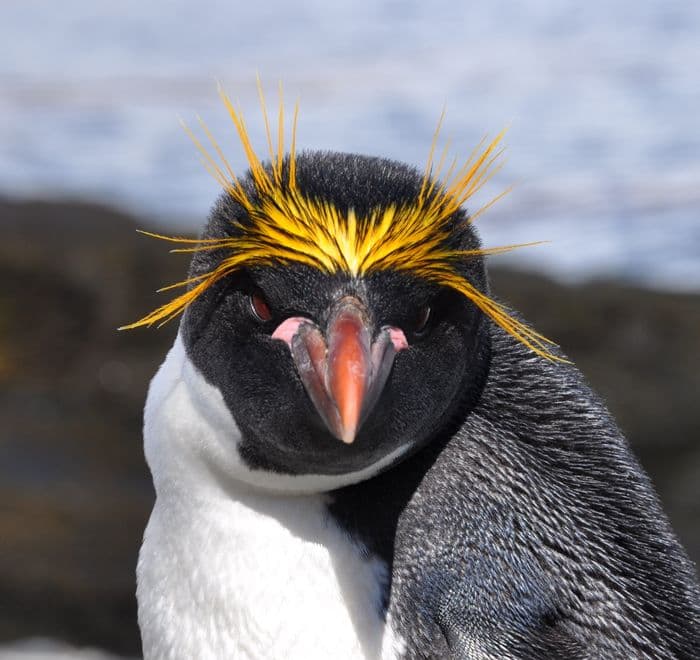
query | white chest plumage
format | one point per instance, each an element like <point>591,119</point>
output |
<point>255,578</point>
<point>227,570</point>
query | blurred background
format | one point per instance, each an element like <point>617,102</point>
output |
<point>603,104</point>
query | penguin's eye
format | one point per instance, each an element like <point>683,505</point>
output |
<point>260,307</point>
<point>421,320</point>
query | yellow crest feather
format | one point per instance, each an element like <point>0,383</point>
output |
<point>284,226</point>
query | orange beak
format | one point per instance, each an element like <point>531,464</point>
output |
<point>348,367</point>
<point>345,372</point>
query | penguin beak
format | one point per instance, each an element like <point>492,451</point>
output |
<point>344,372</point>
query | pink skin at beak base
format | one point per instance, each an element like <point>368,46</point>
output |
<point>286,330</point>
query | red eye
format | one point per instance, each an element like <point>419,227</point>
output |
<point>421,320</point>
<point>260,306</point>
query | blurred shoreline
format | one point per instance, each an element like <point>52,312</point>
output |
<point>74,489</point>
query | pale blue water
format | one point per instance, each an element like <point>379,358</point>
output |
<point>603,100</point>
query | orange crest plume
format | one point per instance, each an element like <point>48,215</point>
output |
<point>284,226</point>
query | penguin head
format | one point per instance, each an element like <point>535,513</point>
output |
<point>330,372</point>
<point>339,305</point>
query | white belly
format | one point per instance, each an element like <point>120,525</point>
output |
<point>260,577</point>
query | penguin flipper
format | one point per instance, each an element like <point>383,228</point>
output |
<point>527,627</point>
<point>546,641</point>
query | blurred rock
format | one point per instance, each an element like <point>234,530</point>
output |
<point>74,489</point>
<point>48,649</point>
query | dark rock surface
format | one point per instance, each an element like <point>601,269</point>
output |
<point>74,490</point>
